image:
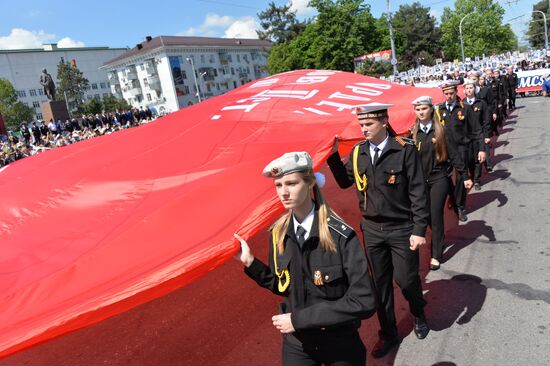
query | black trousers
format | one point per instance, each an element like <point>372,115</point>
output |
<point>338,349</point>
<point>460,191</point>
<point>437,194</point>
<point>391,258</point>
<point>512,98</point>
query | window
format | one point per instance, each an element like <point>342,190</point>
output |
<point>211,59</point>
<point>186,89</point>
<point>21,93</point>
<point>102,85</point>
<point>39,116</point>
<point>232,71</point>
<point>94,86</point>
<point>36,104</point>
<point>229,58</point>
<point>208,88</point>
<point>202,58</point>
<point>183,74</point>
<point>108,84</point>
<point>149,97</point>
<point>238,58</point>
<point>32,92</point>
<point>142,67</point>
<point>234,84</point>
<point>105,95</point>
<point>97,96</point>
<point>40,92</point>
<point>89,97</point>
<point>217,86</point>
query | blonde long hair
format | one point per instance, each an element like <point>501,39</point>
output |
<point>280,226</point>
<point>439,133</point>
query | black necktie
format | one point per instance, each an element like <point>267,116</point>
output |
<point>425,129</point>
<point>376,156</point>
<point>300,235</point>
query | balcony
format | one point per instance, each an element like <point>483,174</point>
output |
<point>116,90</point>
<point>132,90</point>
<point>113,77</point>
<point>131,74</point>
<point>154,82</point>
<point>150,68</point>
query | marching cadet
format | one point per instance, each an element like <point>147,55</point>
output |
<point>482,118</point>
<point>318,266</point>
<point>387,173</point>
<point>512,86</point>
<point>486,94</point>
<point>438,156</point>
<point>501,76</point>
<point>498,95</point>
<point>467,134</point>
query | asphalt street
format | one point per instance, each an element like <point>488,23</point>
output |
<point>489,304</point>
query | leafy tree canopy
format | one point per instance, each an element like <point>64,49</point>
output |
<point>13,111</point>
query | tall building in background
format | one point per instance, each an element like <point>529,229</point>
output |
<point>23,68</point>
<point>158,72</point>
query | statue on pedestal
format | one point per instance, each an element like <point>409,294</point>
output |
<point>47,83</point>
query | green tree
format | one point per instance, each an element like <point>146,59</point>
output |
<point>112,103</point>
<point>72,84</point>
<point>279,24</point>
<point>535,33</point>
<point>13,111</point>
<point>93,106</point>
<point>482,30</point>
<point>342,30</point>
<point>417,35</point>
<point>375,68</point>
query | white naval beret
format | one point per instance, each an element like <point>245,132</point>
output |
<point>423,100</point>
<point>289,163</point>
<point>449,84</point>
<point>469,82</point>
<point>373,110</point>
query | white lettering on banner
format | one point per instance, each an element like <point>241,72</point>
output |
<point>526,82</point>
<point>316,111</point>
<point>376,85</point>
<point>268,94</point>
<point>339,106</point>
<point>314,77</point>
<point>347,96</point>
<point>245,107</point>
<point>264,83</point>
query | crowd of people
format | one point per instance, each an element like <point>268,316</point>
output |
<point>38,136</point>
<point>404,184</point>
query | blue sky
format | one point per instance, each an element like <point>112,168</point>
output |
<point>121,23</point>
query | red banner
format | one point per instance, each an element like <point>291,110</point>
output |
<point>92,229</point>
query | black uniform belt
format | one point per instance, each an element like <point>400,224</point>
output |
<point>383,223</point>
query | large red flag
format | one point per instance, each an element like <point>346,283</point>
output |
<point>92,229</point>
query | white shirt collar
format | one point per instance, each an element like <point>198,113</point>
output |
<point>381,146</point>
<point>428,125</point>
<point>307,223</point>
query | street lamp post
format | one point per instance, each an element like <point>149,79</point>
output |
<point>460,31</point>
<point>393,55</point>
<point>190,60</point>
<point>545,28</point>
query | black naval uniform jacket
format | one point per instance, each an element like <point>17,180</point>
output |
<point>486,94</point>
<point>461,124</point>
<point>483,116</point>
<point>433,169</point>
<point>344,298</point>
<point>498,91</point>
<point>396,191</point>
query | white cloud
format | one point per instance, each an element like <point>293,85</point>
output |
<point>301,7</point>
<point>215,25</point>
<point>244,27</point>
<point>20,38</point>
<point>67,42</point>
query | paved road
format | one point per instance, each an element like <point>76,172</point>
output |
<point>488,305</point>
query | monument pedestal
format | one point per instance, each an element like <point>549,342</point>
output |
<point>55,110</point>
